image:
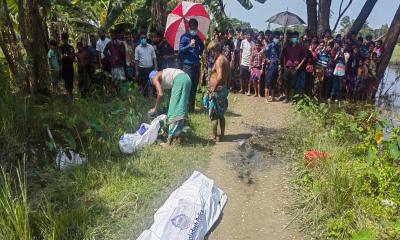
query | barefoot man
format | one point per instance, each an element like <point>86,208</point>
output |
<point>218,90</point>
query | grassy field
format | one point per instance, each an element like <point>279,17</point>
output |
<point>353,192</point>
<point>396,55</point>
<point>112,196</point>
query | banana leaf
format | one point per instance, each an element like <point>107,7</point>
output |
<point>246,4</point>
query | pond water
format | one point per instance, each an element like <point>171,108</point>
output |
<point>390,87</point>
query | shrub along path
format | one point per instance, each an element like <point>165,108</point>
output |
<point>247,167</point>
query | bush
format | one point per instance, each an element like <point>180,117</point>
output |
<point>355,192</point>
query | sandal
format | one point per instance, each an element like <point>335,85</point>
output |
<point>213,140</point>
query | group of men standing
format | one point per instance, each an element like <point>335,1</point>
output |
<point>125,56</point>
<point>255,57</point>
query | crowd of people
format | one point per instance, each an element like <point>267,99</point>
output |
<point>329,68</point>
<point>286,66</point>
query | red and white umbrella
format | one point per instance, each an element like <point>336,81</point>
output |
<point>178,22</point>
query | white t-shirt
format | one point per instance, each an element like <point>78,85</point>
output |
<point>145,55</point>
<point>168,77</point>
<point>101,44</point>
<point>246,48</point>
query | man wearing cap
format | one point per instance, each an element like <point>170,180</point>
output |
<point>180,85</point>
<point>191,49</point>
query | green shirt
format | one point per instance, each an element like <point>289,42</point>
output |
<point>52,56</point>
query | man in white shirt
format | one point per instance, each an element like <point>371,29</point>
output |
<point>101,44</point>
<point>245,56</point>
<point>146,62</point>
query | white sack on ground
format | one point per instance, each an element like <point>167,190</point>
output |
<point>190,211</point>
<point>131,142</point>
<point>65,161</point>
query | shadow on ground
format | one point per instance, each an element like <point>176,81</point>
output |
<point>237,137</point>
<point>255,151</point>
<point>232,114</point>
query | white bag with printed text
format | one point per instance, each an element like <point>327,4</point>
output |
<point>190,211</point>
<point>146,135</point>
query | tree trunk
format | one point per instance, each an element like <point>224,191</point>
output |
<point>389,45</point>
<point>11,48</point>
<point>324,15</point>
<point>363,16</point>
<point>35,42</point>
<point>159,13</point>
<point>312,17</point>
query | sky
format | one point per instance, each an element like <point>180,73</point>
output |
<point>383,12</point>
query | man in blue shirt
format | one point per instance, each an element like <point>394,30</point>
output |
<point>272,52</point>
<point>191,49</point>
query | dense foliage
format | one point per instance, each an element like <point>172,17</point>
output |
<point>354,193</point>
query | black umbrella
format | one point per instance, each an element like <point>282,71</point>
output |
<point>286,19</point>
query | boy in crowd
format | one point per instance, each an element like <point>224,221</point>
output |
<point>116,49</point>
<point>103,56</point>
<point>52,55</point>
<point>93,51</point>
<point>83,58</point>
<point>338,76</point>
<point>272,53</point>
<point>256,63</point>
<point>309,67</point>
<point>245,55</point>
<point>94,58</point>
<point>129,56</point>
<point>237,41</point>
<point>268,37</point>
<point>67,63</point>
<point>322,61</point>
<point>228,49</point>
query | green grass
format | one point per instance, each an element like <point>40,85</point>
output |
<point>112,196</point>
<point>396,55</point>
<point>341,198</point>
<point>14,212</point>
<point>115,200</point>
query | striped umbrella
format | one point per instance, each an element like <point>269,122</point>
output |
<point>178,22</point>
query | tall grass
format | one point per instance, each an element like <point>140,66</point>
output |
<point>341,198</point>
<point>14,207</point>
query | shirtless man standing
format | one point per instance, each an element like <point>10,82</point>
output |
<point>218,90</point>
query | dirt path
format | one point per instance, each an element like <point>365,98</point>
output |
<point>246,167</point>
